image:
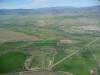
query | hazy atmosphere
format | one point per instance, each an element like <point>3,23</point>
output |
<point>29,4</point>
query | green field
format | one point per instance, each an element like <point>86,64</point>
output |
<point>12,62</point>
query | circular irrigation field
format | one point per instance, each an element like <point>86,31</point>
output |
<point>12,62</point>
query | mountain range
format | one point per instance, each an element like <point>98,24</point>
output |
<point>92,9</point>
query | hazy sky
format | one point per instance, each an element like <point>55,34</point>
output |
<point>27,4</point>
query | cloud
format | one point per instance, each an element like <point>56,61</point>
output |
<point>39,1</point>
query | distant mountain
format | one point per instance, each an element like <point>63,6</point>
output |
<point>93,9</point>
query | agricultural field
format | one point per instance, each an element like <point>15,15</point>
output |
<point>55,42</point>
<point>11,61</point>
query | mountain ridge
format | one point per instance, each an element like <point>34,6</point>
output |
<point>50,10</point>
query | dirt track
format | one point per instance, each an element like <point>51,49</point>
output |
<point>44,73</point>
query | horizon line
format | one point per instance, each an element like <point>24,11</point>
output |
<point>50,7</point>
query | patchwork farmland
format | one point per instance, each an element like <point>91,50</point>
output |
<point>56,43</point>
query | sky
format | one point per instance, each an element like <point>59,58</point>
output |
<point>34,4</point>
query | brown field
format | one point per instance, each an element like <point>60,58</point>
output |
<point>8,36</point>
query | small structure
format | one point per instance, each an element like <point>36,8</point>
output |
<point>93,72</point>
<point>28,63</point>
